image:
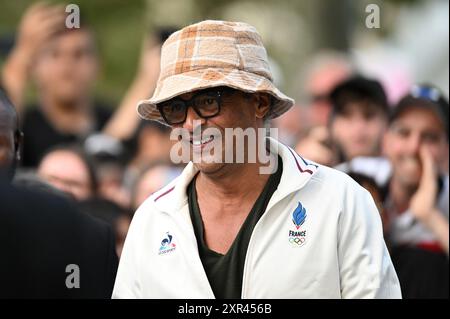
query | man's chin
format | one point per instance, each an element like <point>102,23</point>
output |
<point>208,168</point>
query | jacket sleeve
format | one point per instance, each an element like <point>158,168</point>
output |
<point>127,284</point>
<point>366,269</point>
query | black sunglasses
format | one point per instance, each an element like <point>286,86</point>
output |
<point>206,104</point>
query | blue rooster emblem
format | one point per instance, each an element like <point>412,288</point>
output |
<point>299,215</point>
<point>166,241</point>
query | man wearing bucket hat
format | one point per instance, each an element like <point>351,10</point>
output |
<point>224,229</point>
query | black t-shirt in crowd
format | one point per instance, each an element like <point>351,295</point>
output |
<point>40,135</point>
<point>422,272</point>
<point>225,272</point>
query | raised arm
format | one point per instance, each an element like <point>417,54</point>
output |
<point>125,120</point>
<point>39,23</point>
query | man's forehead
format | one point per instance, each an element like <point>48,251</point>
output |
<point>188,95</point>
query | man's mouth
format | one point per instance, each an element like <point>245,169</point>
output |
<point>200,142</point>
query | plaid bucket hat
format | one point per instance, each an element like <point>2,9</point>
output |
<point>211,54</point>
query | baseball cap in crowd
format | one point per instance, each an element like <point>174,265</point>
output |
<point>358,88</point>
<point>424,96</point>
<point>212,54</point>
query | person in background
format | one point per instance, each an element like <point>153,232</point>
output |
<point>110,176</point>
<point>415,190</point>
<point>326,70</point>
<point>359,118</point>
<point>46,243</point>
<point>67,168</point>
<point>27,179</point>
<point>416,199</point>
<point>109,157</point>
<point>356,124</point>
<point>44,239</point>
<point>63,64</point>
<point>290,125</point>
<point>151,179</point>
<point>152,145</point>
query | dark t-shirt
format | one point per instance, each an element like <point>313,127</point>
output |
<point>40,135</point>
<point>422,272</point>
<point>225,272</point>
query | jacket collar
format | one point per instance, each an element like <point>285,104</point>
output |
<point>296,173</point>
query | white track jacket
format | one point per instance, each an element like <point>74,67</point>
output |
<point>320,237</point>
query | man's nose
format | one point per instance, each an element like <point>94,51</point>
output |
<point>193,120</point>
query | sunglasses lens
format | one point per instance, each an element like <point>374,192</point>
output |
<point>207,105</point>
<point>174,111</point>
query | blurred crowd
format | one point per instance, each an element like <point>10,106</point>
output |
<point>105,161</point>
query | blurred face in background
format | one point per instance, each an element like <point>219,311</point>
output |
<point>122,225</point>
<point>357,129</point>
<point>67,67</point>
<point>110,176</point>
<point>153,145</point>
<point>66,171</point>
<point>319,86</point>
<point>151,181</point>
<point>414,128</point>
<point>290,125</point>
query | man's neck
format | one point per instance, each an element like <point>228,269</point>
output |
<point>233,185</point>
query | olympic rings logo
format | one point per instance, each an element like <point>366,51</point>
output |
<point>297,240</point>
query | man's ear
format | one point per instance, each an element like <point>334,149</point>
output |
<point>263,104</point>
